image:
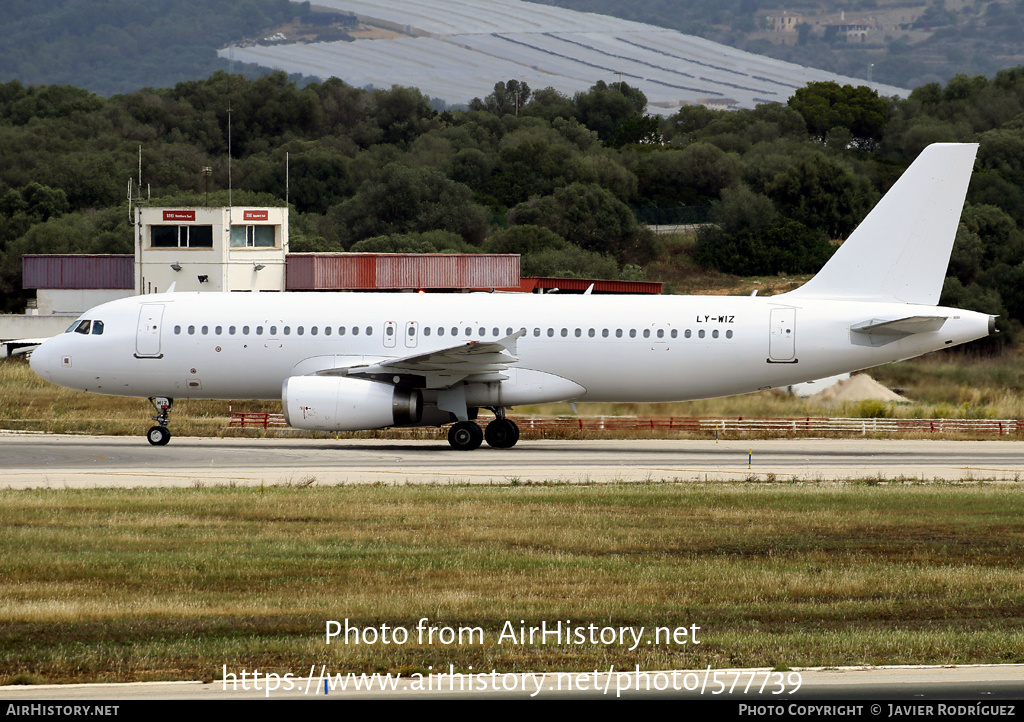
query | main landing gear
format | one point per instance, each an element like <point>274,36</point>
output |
<point>160,435</point>
<point>501,433</point>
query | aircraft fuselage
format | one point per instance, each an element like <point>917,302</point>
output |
<point>615,348</point>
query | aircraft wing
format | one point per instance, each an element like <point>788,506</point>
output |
<point>474,361</point>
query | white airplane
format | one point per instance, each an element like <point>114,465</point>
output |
<point>352,361</point>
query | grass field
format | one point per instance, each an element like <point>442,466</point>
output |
<point>142,584</point>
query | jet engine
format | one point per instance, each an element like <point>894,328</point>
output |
<point>339,403</point>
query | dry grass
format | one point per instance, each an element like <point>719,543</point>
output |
<point>144,584</point>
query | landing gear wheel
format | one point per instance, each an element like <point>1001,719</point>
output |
<point>158,436</point>
<point>465,436</point>
<point>502,434</point>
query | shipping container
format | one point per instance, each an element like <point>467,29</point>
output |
<point>400,271</point>
<point>74,271</point>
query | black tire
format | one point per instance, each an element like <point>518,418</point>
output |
<point>465,436</point>
<point>158,436</point>
<point>502,434</point>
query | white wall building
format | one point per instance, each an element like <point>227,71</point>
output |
<point>210,249</point>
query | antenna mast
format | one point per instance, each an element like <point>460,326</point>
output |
<point>229,155</point>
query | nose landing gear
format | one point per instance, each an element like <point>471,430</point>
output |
<point>160,435</point>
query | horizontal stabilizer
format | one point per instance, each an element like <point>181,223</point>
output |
<point>902,326</point>
<point>878,332</point>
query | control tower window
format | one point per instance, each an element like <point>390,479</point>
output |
<point>181,236</point>
<point>253,237</point>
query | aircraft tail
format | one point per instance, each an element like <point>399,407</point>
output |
<point>900,251</point>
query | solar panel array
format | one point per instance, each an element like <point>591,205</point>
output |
<point>457,50</point>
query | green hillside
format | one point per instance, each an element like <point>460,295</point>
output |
<point>117,46</point>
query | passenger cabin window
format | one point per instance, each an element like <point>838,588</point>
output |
<point>181,237</point>
<point>253,237</point>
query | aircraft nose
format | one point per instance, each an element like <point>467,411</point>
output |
<point>40,360</point>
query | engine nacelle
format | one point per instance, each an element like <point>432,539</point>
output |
<point>340,403</point>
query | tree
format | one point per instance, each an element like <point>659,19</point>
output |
<point>530,166</point>
<point>822,194</point>
<point>592,218</point>
<point>549,104</point>
<point>743,210</point>
<point>406,200</point>
<point>783,246</point>
<point>507,99</point>
<point>825,105</point>
<point>639,130</point>
<point>604,107</point>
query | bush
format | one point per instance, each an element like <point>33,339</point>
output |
<point>783,246</point>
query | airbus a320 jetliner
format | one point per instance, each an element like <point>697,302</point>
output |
<point>351,361</point>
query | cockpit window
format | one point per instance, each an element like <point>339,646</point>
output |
<point>83,327</point>
<point>97,328</point>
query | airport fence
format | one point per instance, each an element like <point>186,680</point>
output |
<point>805,425</point>
<point>722,425</point>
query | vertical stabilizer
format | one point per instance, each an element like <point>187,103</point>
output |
<point>900,251</point>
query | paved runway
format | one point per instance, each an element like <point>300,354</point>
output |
<point>35,460</point>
